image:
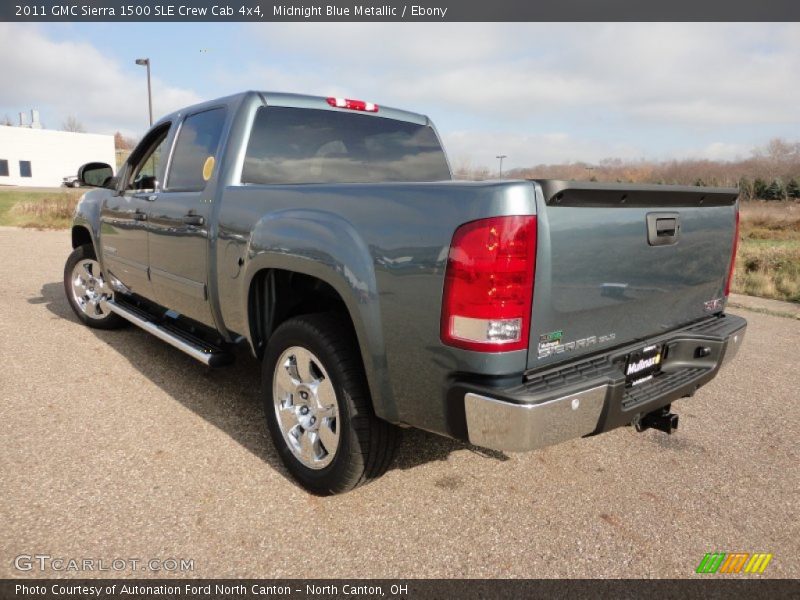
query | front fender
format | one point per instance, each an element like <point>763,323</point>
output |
<point>87,216</point>
<point>326,246</point>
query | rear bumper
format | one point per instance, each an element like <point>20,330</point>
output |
<point>589,396</point>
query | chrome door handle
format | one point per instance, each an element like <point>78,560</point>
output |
<point>663,228</point>
<point>194,220</point>
<point>149,197</point>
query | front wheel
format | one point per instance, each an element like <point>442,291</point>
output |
<point>87,290</point>
<point>318,407</point>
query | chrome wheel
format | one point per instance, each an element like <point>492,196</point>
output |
<point>89,289</point>
<point>306,407</point>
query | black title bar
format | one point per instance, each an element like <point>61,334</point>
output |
<point>392,10</point>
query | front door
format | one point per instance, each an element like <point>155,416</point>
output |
<point>178,221</point>
<point>124,214</point>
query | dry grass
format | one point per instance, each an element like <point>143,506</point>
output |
<point>769,272</point>
<point>44,210</point>
<point>768,261</point>
<point>760,219</point>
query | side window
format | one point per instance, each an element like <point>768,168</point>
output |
<point>3,167</point>
<point>25,168</point>
<point>147,161</point>
<point>195,149</point>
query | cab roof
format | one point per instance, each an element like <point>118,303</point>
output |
<point>296,101</point>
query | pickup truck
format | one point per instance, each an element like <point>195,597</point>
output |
<point>326,237</point>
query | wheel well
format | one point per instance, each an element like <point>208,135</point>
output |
<point>277,295</point>
<point>80,236</point>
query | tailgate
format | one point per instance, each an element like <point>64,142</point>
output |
<point>620,263</point>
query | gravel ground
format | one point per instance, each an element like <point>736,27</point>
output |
<point>115,445</point>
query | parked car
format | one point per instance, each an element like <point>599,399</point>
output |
<point>326,236</point>
<point>71,181</point>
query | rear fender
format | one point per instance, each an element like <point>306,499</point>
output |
<point>326,246</point>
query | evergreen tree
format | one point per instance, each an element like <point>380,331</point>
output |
<point>793,188</point>
<point>759,188</point>
<point>775,191</point>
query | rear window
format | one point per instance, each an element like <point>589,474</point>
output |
<point>294,145</point>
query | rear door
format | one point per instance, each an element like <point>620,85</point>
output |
<point>180,215</point>
<point>617,264</point>
<point>124,214</point>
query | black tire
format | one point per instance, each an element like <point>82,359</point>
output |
<point>76,184</point>
<point>108,320</point>
<point>366,444</point>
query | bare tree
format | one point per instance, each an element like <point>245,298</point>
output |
<point>73,124</point>
<point>6,121</point>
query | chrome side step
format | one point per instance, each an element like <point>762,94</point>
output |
<point>206,354</point>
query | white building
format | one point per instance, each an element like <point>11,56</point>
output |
<point>31,156</point>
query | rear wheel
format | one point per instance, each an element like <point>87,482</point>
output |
<point>318,408</point>
<point>88,291</point>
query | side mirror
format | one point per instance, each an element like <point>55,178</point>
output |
<point>95,174</point>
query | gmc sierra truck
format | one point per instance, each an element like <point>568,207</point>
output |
<point>326,236</point>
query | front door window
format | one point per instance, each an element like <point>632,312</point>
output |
<point>147,162</point>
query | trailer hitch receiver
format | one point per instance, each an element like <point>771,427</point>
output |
<point>661,419</point>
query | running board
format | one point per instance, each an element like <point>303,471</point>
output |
<point>205,353</point>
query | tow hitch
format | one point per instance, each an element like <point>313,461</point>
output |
<point>660,419</point>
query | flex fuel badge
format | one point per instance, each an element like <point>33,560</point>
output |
<point>548,341</point>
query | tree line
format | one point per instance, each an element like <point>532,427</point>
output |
<point>771,172</point>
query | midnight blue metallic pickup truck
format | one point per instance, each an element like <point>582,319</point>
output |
<point>327,237</point>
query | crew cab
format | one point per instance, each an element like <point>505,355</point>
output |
<point>326,237</point>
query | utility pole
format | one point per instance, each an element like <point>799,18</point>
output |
<point>501,157</point>
<point>146,63</point>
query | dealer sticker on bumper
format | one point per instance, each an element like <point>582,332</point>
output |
<point>642,365</point>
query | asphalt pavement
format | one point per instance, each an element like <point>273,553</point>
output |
<point>116,446</point>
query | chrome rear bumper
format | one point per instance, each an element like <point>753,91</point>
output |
<point>501,425</point>
<point>535,415</point>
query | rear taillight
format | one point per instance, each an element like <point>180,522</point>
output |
<point>488,287</point>
<point>352,104</point>
<point>733,255</point>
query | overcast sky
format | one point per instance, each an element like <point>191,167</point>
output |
<point>535,92</point>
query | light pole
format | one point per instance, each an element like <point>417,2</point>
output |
<point>146,62</point>
<point>501,157</point>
